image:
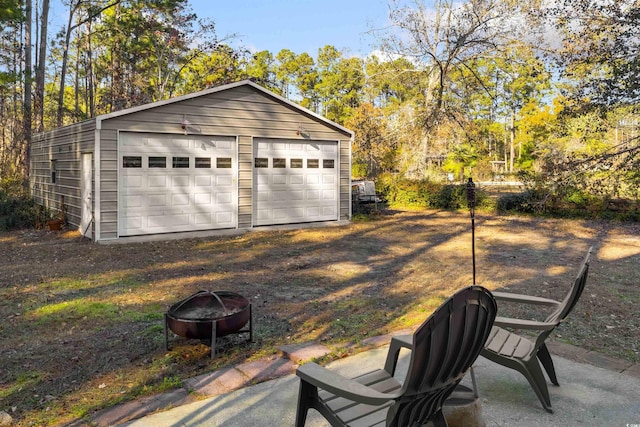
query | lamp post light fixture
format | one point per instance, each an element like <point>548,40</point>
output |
<point>185,124</point>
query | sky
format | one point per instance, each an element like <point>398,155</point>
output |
<point>297,25</point>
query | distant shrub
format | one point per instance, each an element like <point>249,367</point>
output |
<point>516,202</point>
<point>574,204</point>
<point>17,212</point>
<point>17,209</point>
<point>428,194</point>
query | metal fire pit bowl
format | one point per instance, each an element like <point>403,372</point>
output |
<point>207,315</point>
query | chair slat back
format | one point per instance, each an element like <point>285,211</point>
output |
<point>574,293</point>
<point>444,348</point>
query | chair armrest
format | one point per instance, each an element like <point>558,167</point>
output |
<point>524,299</point>
<point>397,342</point>
<point>332,382</point>
<point>507,322</point>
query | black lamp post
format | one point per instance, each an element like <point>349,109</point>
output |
<point>471,202</point>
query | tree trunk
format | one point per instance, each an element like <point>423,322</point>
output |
<point>26,144</point>
<point>89,71</point>
<point>63,68</point>
<point>40,67</point>
<point>512,132</point>
<point>76,90</point>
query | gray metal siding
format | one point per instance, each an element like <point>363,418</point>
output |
<point>241,111</point>
<point>245,181</point>
<point>108,183</point>
<point>345,179</point>
<point>64,145</point>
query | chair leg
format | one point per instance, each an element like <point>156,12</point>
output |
<point>305,396</point>
<point>547,363</point>
<point>532,371</point>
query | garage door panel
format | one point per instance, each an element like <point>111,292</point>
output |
<point>329,211</point>
<point>133,201</point>
<point>157,200</point>
<point>134,181</point>
<point>133,222</point>
<point>222,198</point>
<point>328,195</point>
<point>329,149</point>
<point>223,217</point>
<point>280,180</point>
<point>167,220</point>
<point>263,145</point>
<point>223,145</point>
<point>202,180</point>
<point>204,219</point>
<point>297,149</point>
<point>156,197</point>
<point>129,140</point>
<point>224,180</point>
<point>286,213</point>
<point>155,141</point>
<point>180,181</point>
<point>157,181</point>
<point>285,195</point>
<point>262,179</point>
<point>328,179</point>
<point>262,215</point>
<point>180,200</point>
<point>202,199</point>
<point>279,148</point>
<point>313,212</point>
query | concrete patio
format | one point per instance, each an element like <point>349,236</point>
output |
<point>594,390</point>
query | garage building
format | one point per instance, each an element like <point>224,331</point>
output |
<point>232,157</point>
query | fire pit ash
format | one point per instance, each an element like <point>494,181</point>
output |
<point>208,315</point>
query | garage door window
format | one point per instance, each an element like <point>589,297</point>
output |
<point>296,163</point>
<point>328,163</point>
<point>203,163</point>
<point>131,161</point>
<point>223,162</point>
<point>261,162</point>
<point>157,162</point>
<point>280,163</point>
<point>313,163</point>
<point>180,162</point>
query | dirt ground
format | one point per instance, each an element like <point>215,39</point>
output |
<point>83,322</point>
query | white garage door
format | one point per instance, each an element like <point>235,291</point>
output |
<point>295,181</point>
<point>173,183</point>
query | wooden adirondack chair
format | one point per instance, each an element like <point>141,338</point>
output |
<point>443,349</point>
<point>516,352</point>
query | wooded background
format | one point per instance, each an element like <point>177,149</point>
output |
<point>497,89</point>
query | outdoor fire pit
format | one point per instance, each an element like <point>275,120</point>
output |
<point>208,315</point>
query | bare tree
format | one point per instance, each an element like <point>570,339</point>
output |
<point>445,38</point>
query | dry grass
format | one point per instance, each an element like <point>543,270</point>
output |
<point>83,322</point>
